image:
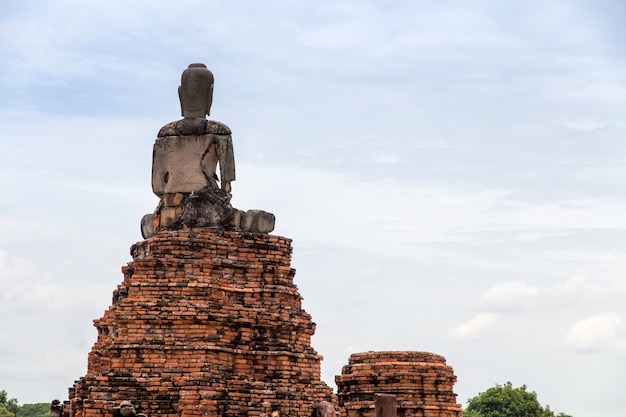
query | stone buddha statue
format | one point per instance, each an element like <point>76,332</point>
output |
<point>185,158</point>
<point>187,151</point>
<point>196,91</point>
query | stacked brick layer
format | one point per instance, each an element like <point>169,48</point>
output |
<point>205,323</point>
<point>422,382</point>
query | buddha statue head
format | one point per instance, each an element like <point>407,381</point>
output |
<point>196,91</point>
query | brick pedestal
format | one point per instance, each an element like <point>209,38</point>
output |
<point>422,382</point>
<point>204,324</point>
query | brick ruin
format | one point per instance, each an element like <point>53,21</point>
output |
<point>421,381</point>
<point>208,320</point>
<point>205,323</point>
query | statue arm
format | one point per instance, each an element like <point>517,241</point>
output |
<point>226,157</point>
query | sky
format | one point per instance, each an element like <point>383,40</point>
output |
<point>451,173</point>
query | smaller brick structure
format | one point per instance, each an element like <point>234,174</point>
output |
<point>421,381</point>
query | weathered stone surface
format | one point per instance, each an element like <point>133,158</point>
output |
<point>126,409</point>
<point>385,405</point>
<point>325,409</point>
<point>184,127</point>
<point>204,324</point>
<point>56,408</point>
<point>187,151</point>
<point>147,226</point>
<point>256,221</point>
<point>421,381</point>
<point>208,207</point>
<point>172,200</point>
<point>183,164</point>
<point>196,91</point>
<point>185,158</point>
<point>237,219</point>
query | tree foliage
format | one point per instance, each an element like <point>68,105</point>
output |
<point>507,401</point>
<point>9,407</point>
<point>4,412</point>
<point>35,410</point>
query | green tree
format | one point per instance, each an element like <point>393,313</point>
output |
<point>507,401</point>
<point>9,407</point>
<point>12,405</point>
<point>4,412</point>
<point>35,410</point>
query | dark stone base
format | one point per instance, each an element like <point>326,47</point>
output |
<point>208,207</point>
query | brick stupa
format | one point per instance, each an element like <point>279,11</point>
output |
<point>208,321</point>
<point>205,323</point>
<point>422,382</point>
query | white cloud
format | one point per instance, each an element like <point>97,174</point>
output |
<point>28,288</point>
<point>400,215</point>
<point>596,286</point>
<point>574,214</point>
<point>14,270</point>
<point>475,328</point>
<point>599,333</point>
<point>510,295</point>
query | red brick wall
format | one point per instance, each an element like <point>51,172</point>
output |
<point>204,324</point>
<point>421,381</point>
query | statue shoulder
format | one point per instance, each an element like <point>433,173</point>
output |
<point>217,128</point>
<point>194,126</point>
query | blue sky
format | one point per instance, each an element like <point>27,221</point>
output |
<point>452,175</point>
